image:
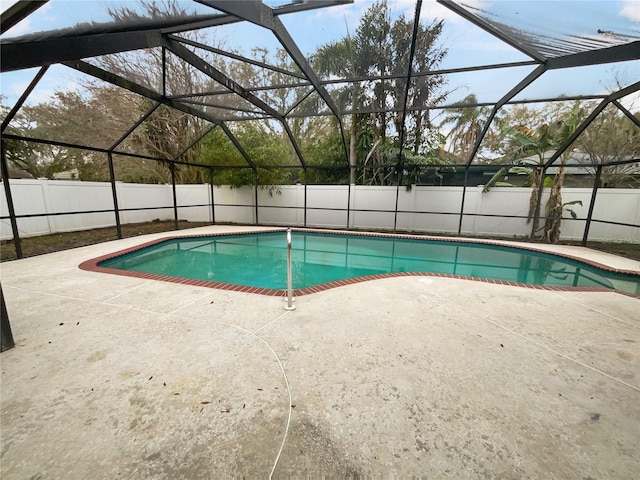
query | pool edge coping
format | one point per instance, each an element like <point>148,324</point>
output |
<point>91,265</point>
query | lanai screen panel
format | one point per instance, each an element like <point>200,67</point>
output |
<point>13,86</point>
<point>154,139</point>
<point>612,140</point>
<point>222,105</point>
<point>88,112</point>
<point>526,135</point>
<point>553,29</point>
<point>357,52</point>
<point>266,142</point>
<point>143,66</point>
<point>581,81</point>
<point>219,150</point>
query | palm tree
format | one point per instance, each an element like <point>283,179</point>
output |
<point>340,59</point>
<point>380,47</point>
<point>535,142</point>
<point>538,142</point>
<point>554,208</point>
<point>468,122</point>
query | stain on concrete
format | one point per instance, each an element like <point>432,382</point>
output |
<point>97,356</point>
<point>624,355</point>
<point>312,449</point>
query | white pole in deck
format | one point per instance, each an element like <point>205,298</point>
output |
<point>289,305</point>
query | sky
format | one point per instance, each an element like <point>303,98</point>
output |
<point>467,44</point>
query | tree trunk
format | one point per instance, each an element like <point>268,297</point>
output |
<point>418,134</point>
<point>554,209</point>
<point>537,182</point>
<point>353,154</point>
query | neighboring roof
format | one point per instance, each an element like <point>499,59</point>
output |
<point>580,163</point>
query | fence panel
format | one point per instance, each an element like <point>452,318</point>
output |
<point>420,209</point>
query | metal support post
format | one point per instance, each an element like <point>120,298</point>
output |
<point>5,327</point>
<point>114,193</point>
<point>7,192</point>
<point>172,167</point>
<point>395,212</point>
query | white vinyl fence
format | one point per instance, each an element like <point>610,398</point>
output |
<point>420,209</point>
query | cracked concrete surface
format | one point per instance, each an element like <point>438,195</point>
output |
<point>118,377</point>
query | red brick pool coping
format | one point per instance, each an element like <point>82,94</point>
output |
<point>92,265</point>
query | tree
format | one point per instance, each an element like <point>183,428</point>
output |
<point>424,91</point>
<point>266,142</point>
<point>380,48</point>
<point>167,132</point>
<point>549,129</point>
<point>339,58</point>
<point>264,148</point>
<point>467,124</point>
<point>612,137</point>
<point>327,150</point>
<point>98,114</point>
<point>563,130</point>
<point>529,142</point>
<point>40,160</point>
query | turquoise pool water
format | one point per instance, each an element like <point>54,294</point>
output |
<point>259,260</point>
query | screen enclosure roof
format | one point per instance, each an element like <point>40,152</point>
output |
<point>257,61</point>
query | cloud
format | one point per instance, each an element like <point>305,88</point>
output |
<point>5,4</point>
<point>351,11</point>
<point>25,25</point>
<point>14,89</point>
<point>631,102</point>
<point>58,78</point>
<point>19,28</point>
<point>631,10</point>
<point>40,96</point>
<point>432,9</point>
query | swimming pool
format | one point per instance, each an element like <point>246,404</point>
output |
<point>256,262</point>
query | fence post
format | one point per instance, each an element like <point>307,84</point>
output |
<point>46,199</point>
<point>305,202</point>
<point>172,167</point>
<point>301,203</point>
<point>256,195</point>
<point>594,192</point>
<point>478,208</point>
<point>213,205</point>
<point>464,194</point>
<point>349,206</point>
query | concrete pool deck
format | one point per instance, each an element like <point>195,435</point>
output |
<point>122,377</point>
